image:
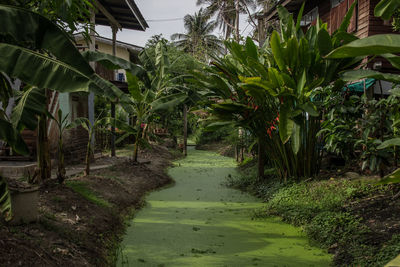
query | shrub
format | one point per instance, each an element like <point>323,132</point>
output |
<point>328,228</point>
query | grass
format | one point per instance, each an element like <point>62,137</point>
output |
<point>320,208</point>
<point>83,189</point>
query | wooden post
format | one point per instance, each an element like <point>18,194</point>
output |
<point>185,129</point>
<point>114,40</point>
<point>92,47</point>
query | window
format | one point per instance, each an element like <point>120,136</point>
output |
<point>121,77</point>
<point>335,3</point>
<point>310,17</point>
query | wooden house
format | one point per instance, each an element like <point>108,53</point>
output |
<point>119,14</point>
<point>363,22</point>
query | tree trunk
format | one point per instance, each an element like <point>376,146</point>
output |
<point>136,149</point>
<point>185,129</point>
<point>237,21</point>
<point>261,157</point>
<point>88,153</point>
<point>113,130</point>
<point>61,167</point>
<point>43,155</point>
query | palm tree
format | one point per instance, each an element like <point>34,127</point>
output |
<point>198,39</point>
<point>227,12</point>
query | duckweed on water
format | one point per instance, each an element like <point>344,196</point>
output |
<point>200,222</point>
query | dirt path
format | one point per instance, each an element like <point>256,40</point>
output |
<point>199,222</point>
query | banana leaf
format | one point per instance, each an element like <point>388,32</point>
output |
<point>31,103</point>
<point>374,45</point>
<point>386,8</point>
<point>355,75</point>
<point>5,200</point>
<point>113,63</point>
<point>393,178</point>
<point>35,31</point>
<point>389,143</point>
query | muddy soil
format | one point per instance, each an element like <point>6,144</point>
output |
<point>74,231</point>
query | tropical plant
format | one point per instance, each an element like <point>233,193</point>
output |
<point>227,13</point>
<point>5,200</point>
<point>341,110</point>
<point>273,92</point>
<point>198,39</point>
<point>151,88</point>
<point>72,16</point>
<point>145,102</point>
<point>62,124</point>
<point>41,55</point>
<point>91,129</point>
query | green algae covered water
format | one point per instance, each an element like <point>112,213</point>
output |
<point>199,222</point>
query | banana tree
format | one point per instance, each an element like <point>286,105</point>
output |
<point>91,129</point>
<point>151,88</point>
<point>146,101</point>
<point>62,125</point>
<point>41,55</point>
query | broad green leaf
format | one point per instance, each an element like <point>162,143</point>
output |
<point>257,81</point>
<point>304,54</point>
<point>133,87</point>
<point>389,143</point>
<point>84,122</point>
<point>324,42</point>
<point>346,21</point>
<point>5,200</point>
<point>343,38</point>
<point>373,45</point>
<point>277,51</point>
<point>251,49</point>
<point>41,71</point>
<point>168,102</point>
<point>361,74</point>
<point>301,83</point>
<point>393,59</point>
<point>393,178</point>
<point>386,8</point>
<point>113,63</point>
<point>31,103</point>
<point>310,109</point>
<point>42,34</point>
<point>286,124</point>
<point>300,16</point>
<point>218,125</point>
<point>295,139</point>
<point>10,135</point>
<point>292,53</point>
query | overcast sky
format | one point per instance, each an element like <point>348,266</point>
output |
<point>158,10</point>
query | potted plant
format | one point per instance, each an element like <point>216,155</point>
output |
<point>18,201</point>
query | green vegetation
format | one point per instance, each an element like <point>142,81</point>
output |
<point>282,103</point>
<point>83,189</point>
<point>199,222</point>
<point>322,209</point>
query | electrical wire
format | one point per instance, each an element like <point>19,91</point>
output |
<point>176,19</point>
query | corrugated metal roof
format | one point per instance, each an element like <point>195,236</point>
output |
<point>125,12</point>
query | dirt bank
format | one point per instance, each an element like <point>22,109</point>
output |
<point>81,222</point>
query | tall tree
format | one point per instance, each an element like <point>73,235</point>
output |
<point>198,38</point>
<point>227,13</point>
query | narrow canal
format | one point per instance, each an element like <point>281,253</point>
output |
<point>200,222</point>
